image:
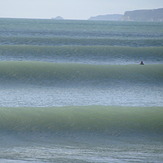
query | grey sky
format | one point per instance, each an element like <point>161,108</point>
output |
<point>71,9</point>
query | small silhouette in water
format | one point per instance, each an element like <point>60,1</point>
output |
<point>141,63</point>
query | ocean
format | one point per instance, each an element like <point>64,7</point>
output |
<point>74,91</point>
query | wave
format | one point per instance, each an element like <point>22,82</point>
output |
<point>82,54</point>
<point>78,74</point>
<point>102,119</point>
<point>71,28</point>
<point>53,41</point>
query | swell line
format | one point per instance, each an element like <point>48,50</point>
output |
<point>79,74</point>
<point>104,119</point>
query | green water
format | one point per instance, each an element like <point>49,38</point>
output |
<point>74,91</point>
<point>101,119</point>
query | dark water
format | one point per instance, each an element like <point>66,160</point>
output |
<point>74,91</point>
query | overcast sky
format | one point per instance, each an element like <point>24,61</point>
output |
<point>71,9</point>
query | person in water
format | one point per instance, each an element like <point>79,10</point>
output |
<point>141,63</point>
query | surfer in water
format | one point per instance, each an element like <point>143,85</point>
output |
<point>141,63</point>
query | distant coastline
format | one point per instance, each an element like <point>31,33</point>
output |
<point>146,15</point>
<point>114,17</point>
<point>153,15</point>
<point>58,18</point>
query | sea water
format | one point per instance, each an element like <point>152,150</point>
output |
<point>73,91</point>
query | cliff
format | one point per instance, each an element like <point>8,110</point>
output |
<point>155,15</point>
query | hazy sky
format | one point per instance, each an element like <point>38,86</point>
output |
<point>71,9</point>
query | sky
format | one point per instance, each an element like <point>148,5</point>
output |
<point>71,9</point>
